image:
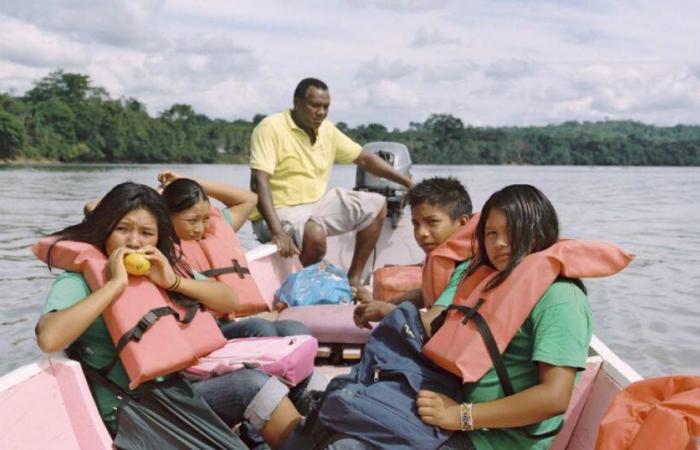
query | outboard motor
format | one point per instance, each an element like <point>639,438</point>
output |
<point>398,157</point>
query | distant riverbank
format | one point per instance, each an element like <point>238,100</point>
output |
<point>64,117</point>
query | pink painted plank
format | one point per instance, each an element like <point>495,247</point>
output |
<point>269,273</point>
<point>586,431</point>
<point>80,406</point>
<point>578,400</point>
<point>37,411</point>
<point>35,404</point>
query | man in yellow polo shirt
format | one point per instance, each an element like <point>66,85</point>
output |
<point>291,156</point>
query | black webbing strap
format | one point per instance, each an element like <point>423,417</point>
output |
<point>235,268</point>
<point>137,331</point>
<point>193,307</point>
<point>143,325</point>
<point>496,359</point>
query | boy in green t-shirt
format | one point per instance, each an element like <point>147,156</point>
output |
<point>440,206</point>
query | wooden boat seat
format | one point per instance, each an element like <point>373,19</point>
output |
<point>330,324</point>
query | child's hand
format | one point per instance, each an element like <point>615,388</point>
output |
<point>438,410</point>
<point>166,177</point>
<point>361,294</point>
<point>161,273</point>
<point>371,312</point>
<point>115,267</point>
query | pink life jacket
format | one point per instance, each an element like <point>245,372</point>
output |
<point>290,358</point>
<point>155,343</point>
<point>441,262</point>
<point>459,348</point>
<point>219,254</point>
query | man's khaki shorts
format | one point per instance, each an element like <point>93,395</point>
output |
<point>338,211</point>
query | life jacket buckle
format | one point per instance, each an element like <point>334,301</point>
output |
<point>144,324</point>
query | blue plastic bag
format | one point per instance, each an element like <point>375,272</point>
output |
<point>320,283</point>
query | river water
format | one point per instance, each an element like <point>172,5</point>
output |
<point>649,314</point>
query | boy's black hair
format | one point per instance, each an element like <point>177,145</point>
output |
<point>446,192</point>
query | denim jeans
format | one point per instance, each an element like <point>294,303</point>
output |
<point>256,327</point>
<point>311,439</point>
<point>246,394</point>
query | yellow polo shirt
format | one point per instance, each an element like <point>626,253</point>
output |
<point>299,171</point>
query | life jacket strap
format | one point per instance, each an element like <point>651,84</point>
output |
<point>193,307</point>
<point>137,331</point>
<point>234,268</point>
<point>497,359</point>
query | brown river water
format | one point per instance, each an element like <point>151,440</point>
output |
<point>649,314</point>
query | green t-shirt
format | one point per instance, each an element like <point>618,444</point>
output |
<point>227,216</point>
<point>448,294</point>
<point>557,332</point>
<point>69,289</point>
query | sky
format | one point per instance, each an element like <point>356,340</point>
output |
<point>490,63</point>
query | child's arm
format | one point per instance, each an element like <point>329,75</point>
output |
<point>428,316</point>
<point>215,295</point>
<point>374,311</point>
<point>547,399</point>
<point>414,296</point>
<point>239,202</point>
<point>371,310</point>
<point>56,330</point>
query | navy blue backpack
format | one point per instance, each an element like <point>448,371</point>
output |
<point>376,401</point>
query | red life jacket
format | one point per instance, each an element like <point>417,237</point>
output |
<point>219,254</point>
<point>441,262</point>
<point>156,343</point>
<point>460,349</point>
<point>654,414</point>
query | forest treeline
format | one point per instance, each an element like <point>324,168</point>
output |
<point>64,117</point>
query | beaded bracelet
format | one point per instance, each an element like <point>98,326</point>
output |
<point>465,417</point>
<point>176,284</point>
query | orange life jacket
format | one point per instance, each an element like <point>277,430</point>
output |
<point>219,254</point>
<point>460,349</point>
<point>392,282</point>
<point>654,414</point>
<point>160,344</point>
<point>441,262</point>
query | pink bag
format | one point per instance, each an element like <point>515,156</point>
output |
<point>290,358</point>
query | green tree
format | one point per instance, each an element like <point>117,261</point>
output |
<point>11,135</point>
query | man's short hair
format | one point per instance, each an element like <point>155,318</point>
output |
<point>306,83</point>
<point>445,192</point>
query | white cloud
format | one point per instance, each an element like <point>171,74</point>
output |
<point>399,5</point>
<point>387,61</point>
<point>510,69</point>
<point>432,36</point>
<point>111,22</point>
<point>384,70</point>
<point>28,45</point>
<point>390,95</point>
<point>449,72</point>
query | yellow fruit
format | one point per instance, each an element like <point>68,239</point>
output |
<point>136,264</point>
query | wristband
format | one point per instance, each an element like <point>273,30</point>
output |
<point>176,284</point>
<point>465,417</point>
